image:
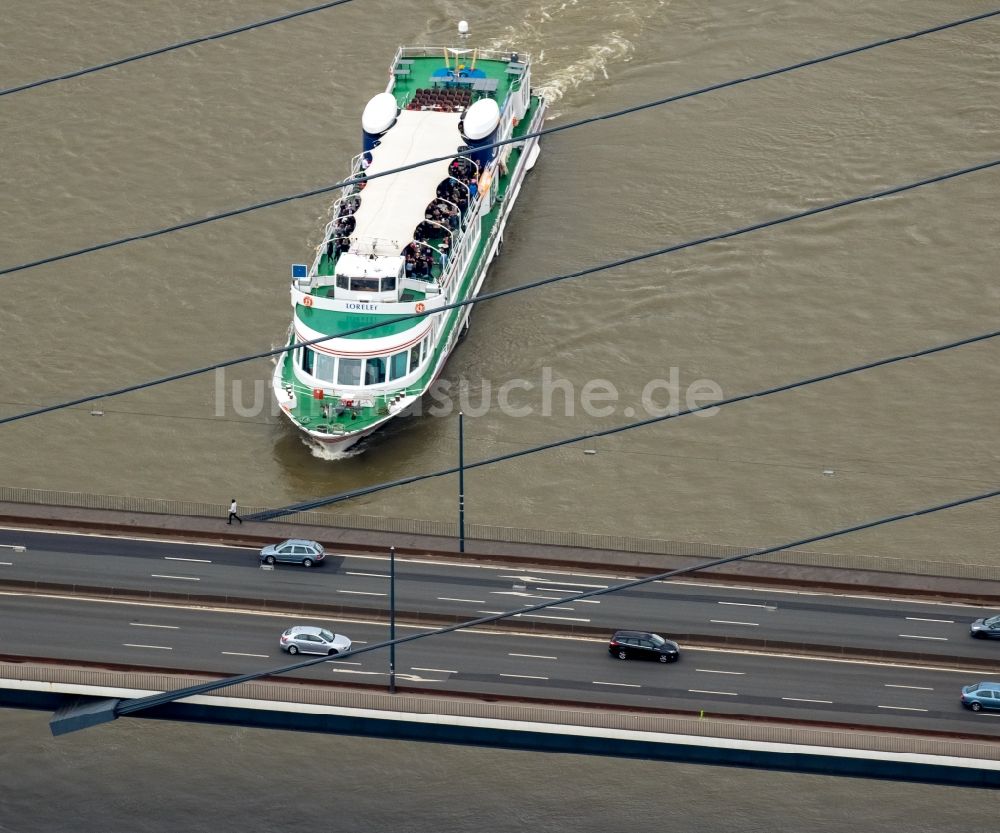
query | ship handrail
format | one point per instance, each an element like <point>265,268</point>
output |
<point>506,55</point>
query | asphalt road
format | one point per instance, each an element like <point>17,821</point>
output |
<point>720,682</point>
<point>935,630</point>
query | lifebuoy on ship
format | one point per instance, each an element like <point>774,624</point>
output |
<point>420,307</point>
<point>307,301</point>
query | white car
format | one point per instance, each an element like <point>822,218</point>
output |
<point>304,639</point>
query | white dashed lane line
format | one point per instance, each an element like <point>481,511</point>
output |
<point>156,647</point>
<point>470,601</point>
<point>434,670</point>
<point>725,622</point>
<point>806,700</point>
<point>178,558</point>
<point>713,671</point>
<point>360,593</point>
<point>178,578</point>
<point>742,604</point>
<point>702,691</point>
<point>148,625</point>
<point>939,621</point>
<point>621,685</point>
<point>531,656</point>
<point>524,676</point>
<point>917,687</point>
<point>238,654</point>
<point>902,708</point>
<point>915,636</point>
<point>367,575</point>
<point>6,564</point>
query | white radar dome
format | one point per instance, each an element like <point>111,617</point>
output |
<point>481,119</point>
<point>379,114</point>
<point>463,27</point>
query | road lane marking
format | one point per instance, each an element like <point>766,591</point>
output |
<point>524,676</point>
<point>470,601</point>
<point>552,589</point>
<point>805,700</point>
<point>532,656</point>
<point>360,593</point>
<point>534,580</point>
<point>726,622</point>
<point>178,558</point>
<point>917,687</point>
<point>941,621</point>
<point>147,625</point>
<point>434,670</point>
<point>15,547</point>
<point>622,685</point>
<point>179,578</point>
<point>367,575</point>
<point>902,708</point>
<point>742,604</point>
<point>915,636</point>
<point>560,618</point>
<point>702,691</point>
<point>713,671</point>
<point>345,662</point>
<point>522,594</point>
<point>364,673</point>
<point>238,654</point>
<point>6,564</point>
<point>562,608</point>
<point>157,647</point>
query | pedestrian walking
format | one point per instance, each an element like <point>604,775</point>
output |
<point>232,513</point>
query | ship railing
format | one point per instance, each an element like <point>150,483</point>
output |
<point>506,55</point>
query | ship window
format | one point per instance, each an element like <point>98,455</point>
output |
<point>397,365</point>
<point>324,367</point>
<point>375,371</point>
<point>364,284</point>
<point>307,360</point>
<point>349,372</point>
<point>342,281</point>
<point>414,357</point>
<point>389,283</point>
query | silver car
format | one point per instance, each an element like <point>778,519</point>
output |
<point>304,639</point>
<point>986,628</point>
<point>294,551</point>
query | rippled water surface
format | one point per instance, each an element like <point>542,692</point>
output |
<point>276,111</point>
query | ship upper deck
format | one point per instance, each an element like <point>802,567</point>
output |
<point>482,72</point>
<point>393,206</point>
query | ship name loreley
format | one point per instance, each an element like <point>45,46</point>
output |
<point>409,242</point>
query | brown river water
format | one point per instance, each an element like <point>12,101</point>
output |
<point>277,111</point>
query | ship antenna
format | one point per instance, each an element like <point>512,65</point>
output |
<point>463,29</point>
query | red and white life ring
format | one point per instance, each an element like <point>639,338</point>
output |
<point>420,307</point>
<point>307,301</point>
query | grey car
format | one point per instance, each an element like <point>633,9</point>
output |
<point>986,628</point>
<point>294,551</point>
<point>305,639</point>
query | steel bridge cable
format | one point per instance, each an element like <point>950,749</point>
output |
<point>193,42</point>
<point>128,707</point>
<point>488,296</point>
<point>530,135</point>
<point>304,506</point>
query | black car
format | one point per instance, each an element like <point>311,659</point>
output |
<point>643,645</point>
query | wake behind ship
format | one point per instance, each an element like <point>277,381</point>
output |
<point>409,242</point>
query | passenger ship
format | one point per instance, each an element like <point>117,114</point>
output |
<point>409,242</point>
